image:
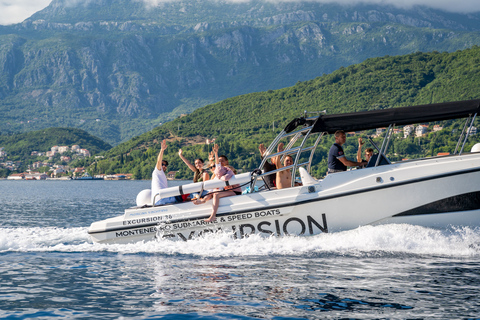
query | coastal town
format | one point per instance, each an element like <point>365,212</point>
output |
<point>49,170</point>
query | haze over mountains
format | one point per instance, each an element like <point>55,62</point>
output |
<point>119,68</point>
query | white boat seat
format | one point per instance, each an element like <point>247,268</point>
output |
<point>307,179</point>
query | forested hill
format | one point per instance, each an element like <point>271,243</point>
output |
<point>118,68</point>
<point>20,146</point>
<point>239,124</point>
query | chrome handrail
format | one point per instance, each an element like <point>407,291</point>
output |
<point>380,153</point>
<point>468,133</point>
<point>461,135</point>
<point>306,131</point>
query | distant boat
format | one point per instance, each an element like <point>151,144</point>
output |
<point>87,176</point>
<point>60,178</point>
<point>115,177</point>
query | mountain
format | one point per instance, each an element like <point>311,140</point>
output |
<point>120,68</point>
<point>240,123</point>
<point>20,146</point>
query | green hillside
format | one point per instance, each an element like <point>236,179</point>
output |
<point>21,145</point>
<point>239,124</point>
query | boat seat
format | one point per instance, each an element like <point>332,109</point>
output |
<point>373,160</point>
<point>307,179</point>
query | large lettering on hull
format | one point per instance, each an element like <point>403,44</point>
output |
<point>291,226</point>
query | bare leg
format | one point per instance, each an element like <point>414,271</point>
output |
<point>216,202</point>
<point>203,200</point>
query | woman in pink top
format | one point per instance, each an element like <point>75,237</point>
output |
<point>222,172</point>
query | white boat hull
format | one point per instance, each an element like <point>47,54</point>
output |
<point>435,192</point>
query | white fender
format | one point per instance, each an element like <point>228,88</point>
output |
<point>192,187</point>
<point>144,198</point>
<point>183,189</point>
<point>236,179</point>
<point>207,185</point>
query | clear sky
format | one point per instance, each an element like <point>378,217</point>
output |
<point>15,11</point>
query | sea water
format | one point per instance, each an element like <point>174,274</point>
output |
<point>49,268</point>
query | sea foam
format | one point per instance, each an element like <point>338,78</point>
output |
<point>394,238</point>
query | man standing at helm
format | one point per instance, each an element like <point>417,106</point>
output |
<point>337,162</point>
<point>159,179</point>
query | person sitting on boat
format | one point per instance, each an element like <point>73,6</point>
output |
<point>337,162</point>
<point>269,179</point>
<point>284,178</point>
<point>211,164</point>
<point>222,172</point>
<point>159,179</point>
<point>199,173</point>
<point>368,153</point>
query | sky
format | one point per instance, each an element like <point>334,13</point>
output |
<point>15,11</point>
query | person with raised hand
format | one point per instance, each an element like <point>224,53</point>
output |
<point>159,179</point>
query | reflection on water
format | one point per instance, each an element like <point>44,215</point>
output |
<point>49,268</point>
<point>306,287</point>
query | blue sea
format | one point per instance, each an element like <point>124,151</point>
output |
<point>50,269</point>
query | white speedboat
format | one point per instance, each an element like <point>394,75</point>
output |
<point>434,192</point>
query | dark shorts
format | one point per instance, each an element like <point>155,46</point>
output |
<point>237,193</point>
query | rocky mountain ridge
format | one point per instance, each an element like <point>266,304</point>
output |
<point>119,68</point>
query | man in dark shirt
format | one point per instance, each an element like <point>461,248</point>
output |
<point>337,162</point>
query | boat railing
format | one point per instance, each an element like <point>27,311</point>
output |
<point>467,133</point>
<point>302,134</point>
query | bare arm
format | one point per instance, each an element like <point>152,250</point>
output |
<point>191,166</point>
<point>262,150</point>
<point>359,152</point>
<point>277,160</point>
<point>349,163</point>
<point>160,154</point>
<point>215,152</point>
<point>205,176</point>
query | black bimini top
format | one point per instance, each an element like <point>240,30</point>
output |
<point>357,121</point>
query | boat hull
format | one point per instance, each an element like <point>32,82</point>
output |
<point>432,192</point>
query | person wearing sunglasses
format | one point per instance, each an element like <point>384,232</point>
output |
<point>159,179</point>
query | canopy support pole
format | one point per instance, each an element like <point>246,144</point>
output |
<point>461,135</point>
<point>380,153</point>
<point>468,133</point>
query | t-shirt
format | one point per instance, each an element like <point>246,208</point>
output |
<point>335,153</point>
<point>159,181</point>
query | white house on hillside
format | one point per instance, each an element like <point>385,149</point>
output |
<point>421,130</point>
<point>407,130</point>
